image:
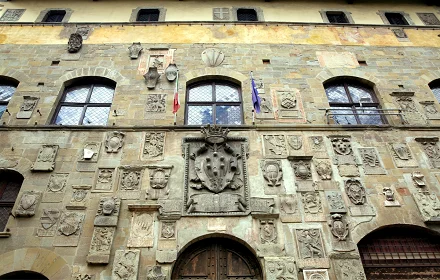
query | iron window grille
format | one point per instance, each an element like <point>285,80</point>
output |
<point>396,19</point>
<point>337,17</point>
<point>247,15</point>
<point>6,92</point>
<point>214,102</point>
<point>54,16</point>
<point>10,184</point>
<point>148,15</point>
<point>435,88</point>
<point>354,104</point>
<point>85,104</point>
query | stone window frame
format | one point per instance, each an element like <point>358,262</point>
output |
<point>135,12</point>
<point>346,13</point>
<point>258,10</point>
<point>44,12</point>
<point>2,20</point>
<point>17,178</point>
<point>406,16</point>
<point>435,85</point>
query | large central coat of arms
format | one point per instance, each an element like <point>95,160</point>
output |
<point>215,174</point>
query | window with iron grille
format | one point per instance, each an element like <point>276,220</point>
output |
<point>337,17</point>
<point>10,184</point>
<point>247,15</point>
<point>396,19</point>
<point>148,15</point>
<point>86,103</point>
<point>6,91</point>
<point>54,16</point>
<point>354,103</point>
<point>435,88</point>
<point>214,102</point>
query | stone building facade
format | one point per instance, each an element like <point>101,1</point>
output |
<point>98,180</point>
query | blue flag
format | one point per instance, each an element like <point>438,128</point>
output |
<point>256,101</point>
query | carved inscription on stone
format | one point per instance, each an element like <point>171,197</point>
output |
<point>371,162</point>
<point>69,229</point>
<point>335,202</point>
<point>215,174</point>
<point>46,158</point>
<point>280,268</point>
<point>275,146</point>
<point>159,176</point>
<point>324,169</point>
<point>27,107</point>
<point>289,212</point>
<point>126,265</point>
<point>28,203</point>
<point>268,231</point>
<point>49,219</point>
<point>108,211</point>
<point>431,149</point>
<point>310,248</point>
<point>130,182</point>
<point>142,230</point>
<point>428,204</point>
<point>402,155</point>
<point>156,103</point>
<point>154,145</point>
<point>56,187</point>
<point>168,230</point>
<point>313,207</point>
<point>315,274</point>
<point>114,141</point>
<point>104,180</point>
<point>410,112</point>
<point>430,110</point>
<point>101,245</point>
<point>349,269</point>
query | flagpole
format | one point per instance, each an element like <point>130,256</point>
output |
<point>176,91</point>
<point>253,110</point>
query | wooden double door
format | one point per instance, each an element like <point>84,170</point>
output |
<point>217,259</point>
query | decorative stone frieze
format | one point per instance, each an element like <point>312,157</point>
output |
<point>289,212</point>
<point>313,206</point>
<point>335,202</point>
<point>28,204</point>
<point>262,206</point>
<point>135,50</point>
<point>142,230</point>
<point>268,231</point>
<point>410,112</point>
<point>168,230</point>
<point>274,146</point>
<point>69,229</point>
<point>154,145</point>
<point>114,141</point>
<point>371,162</point>
<point>27,107</point>
<point>315,274</point>
<point>80,197</point>
<point>310,248</point>
<point>75,43</point>
<point>100,247</point>
<point>273,175</point>
<point>104,180</point>
<point>108,212</point>
<point>212,57</point>
<point>431,149</point>
<point>402,155</point>
<point>280,268</point>
<point>430,110</point>
<point>56,187</point>
<point>126,265</point>
<point>216,178</point>
<point>340,231</point>
<point>49,219</point>
<point>46,158</point>
<point>159,176</point>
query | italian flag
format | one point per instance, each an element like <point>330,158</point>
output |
<point>176,101</point>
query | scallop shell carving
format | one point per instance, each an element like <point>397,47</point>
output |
<point>213,57</point>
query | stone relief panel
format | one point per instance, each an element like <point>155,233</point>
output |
<point>280,268</point>
<point>159,58</point>
<point>168,230</point>
<point>289,105</point>
<point>428,204</point>
<point>340,230</point>
<point>357,195</point>
<point>69,229</point>
<point>80,197</point>
<point>154,145</point>
<point>315,274</point>
<point>27,107</point>
<point>343,154</point>
<point>349,269</point>
<point>12,14</point>
<point>155,107</point>
<point>273,175</point>
<point>88,157</point>
<point>159,176</point>
<point>289,211</point>
<point>130,181</point>
<point>410,112</point>
<point>56,187</point>
<point>266,108</point>
<point>104,180</point>
<point>310,248</point>
<point>371,162</point>
<point>170,209</point>
<point>49,219</point>
<point>126,265</point>
<point>418,179</point>
<point>402,155</point>
<point>390,200</point>
<point>268,231</point>
<point>302,168</point>
<point>157,273</point>
<point>142,230</point>
<point>28,204</point>
<point>296,144</point>
<point>431,149</point>
<point>274,146</point>
<point>262,206</point>
<point>324,169</point>
<point>312,206</point>
<point>79,276</point>
<point>317,146</point>
<point>335,202</point>
<point>100,247</point>
<point>216,178</point>
<point>46,158</point>
<point>108,212</point>
<point>430,110</point>
<point>114,141</point>
<point>212,57</point>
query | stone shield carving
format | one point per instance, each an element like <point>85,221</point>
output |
<point>135,49</point>
<point>28,203</point>
<point>212,57</point>
<point>46,158</point>
<point>339,227</point>
<point>268,232</point>
<point>70,223</point>
<point>114,141</point>
<point>272,172</point>
<point>215,174</point>
<point>75,43</point>
<point>295,142</point>
<point>126,264</point>
<point>355,191</point>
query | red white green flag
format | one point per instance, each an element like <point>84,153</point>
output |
<point>176,101</point>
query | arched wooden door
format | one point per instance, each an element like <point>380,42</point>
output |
<point>217,259</point>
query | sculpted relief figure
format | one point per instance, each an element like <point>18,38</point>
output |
<point>310,243</point>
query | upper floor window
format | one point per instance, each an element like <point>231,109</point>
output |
<point>10,184</point>
<point>247,15</point>
<point>86,103</point>
<point>214,102</point>
<point>435,88</point>
<point>148,15</point>
<point>7,89</point>
<point>354,103</point>
<point>396,19</point>
<point>337,17</point>
<point>55,16</point>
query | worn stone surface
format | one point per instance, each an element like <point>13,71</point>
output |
<point>126,265</point>
<point>69,230</point>
<point>46,158</point>
<point>28,203</point>
<point>142,230</point>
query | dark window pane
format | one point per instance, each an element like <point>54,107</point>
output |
<point>55,16</point>
<point>436,91</point>
<point>11,191</point>
<point>4,216</point>
<point>247,15</point>
<point>225,93</point>
<point>228,115</point>
<point>6,92</point>
<point>336,94</point>
<point>337,17</point>
<point>2,110</point>
<point>102,94</point>
<point>343,116</point>
<point>396,19</point>
<point>199,115</point>
<point>360,94</point>
<point>96,116</point>
<point>69,115</point>
<point>200,94</point>
<point>148,15</point>
<point>371,117</point>
<point>77,94</point>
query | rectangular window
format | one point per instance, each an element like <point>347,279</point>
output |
<point>337,17</point>
<point>54,16</point>
<point>247,15</point>
<point>148,15</point>
<point>396,19</point>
